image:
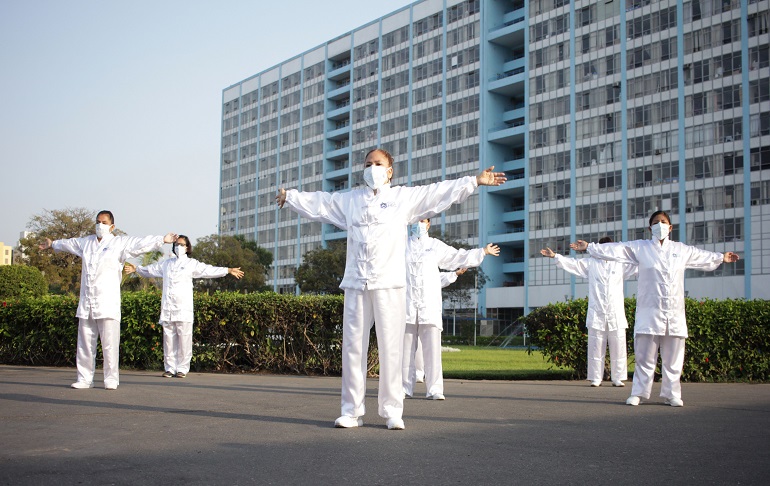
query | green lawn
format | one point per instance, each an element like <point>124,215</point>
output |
<point>490,363</point>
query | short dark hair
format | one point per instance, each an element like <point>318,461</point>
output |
<point>108,213</point>
<point>187,242</point>
<point>606,239</point>
<point>656,213</point>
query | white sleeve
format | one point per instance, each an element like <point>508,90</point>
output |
<point>70,245</point>
<point>134,246</point>
<point>319,206</point>
<point>630,271</point>
<point>450,258</point>
<point>428,201</point>
<point>203,270</point>
<point>575,266</point>
<point>614,252</point>
<point>153,270</point>
<point>447,278</point>
<point>705,260</point>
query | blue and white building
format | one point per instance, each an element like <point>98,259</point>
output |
<point>600,112</point>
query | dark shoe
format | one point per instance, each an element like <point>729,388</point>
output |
<point>168,374</point>
<point>179,374</point>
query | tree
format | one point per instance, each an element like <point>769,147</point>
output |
<point>134,282</point>
<point>21,281</point>
<point>61,270</point>
<point>231,252</point>
<point>322,269</point>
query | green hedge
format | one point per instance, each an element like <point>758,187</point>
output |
<point>728,338</point>
<point>232,332</point>
<point>21,281</point>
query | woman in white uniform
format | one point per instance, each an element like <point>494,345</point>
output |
<point>376,219</point>
<point>424,257</point>
<point>606,319</point>
<point>660,319</point>
<point>176,310</point>
<point>98,311</point>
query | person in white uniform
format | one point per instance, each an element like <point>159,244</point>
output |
<point>606,319</point>
<point>376,219</point>
<point>176,309</point>
<point>98,311</point>
<point>447,278</point>
<point>424,257</point>
<point>660,318</point>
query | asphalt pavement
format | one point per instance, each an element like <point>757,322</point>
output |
<point>239,429</point>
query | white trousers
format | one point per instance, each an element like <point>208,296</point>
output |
<point>430,337</point>
<point>646,357</point>
<point>597,350</point>
<point>419,363</point>
<point>177,346</point>
<point>386,309</point>
<point>108,331</point>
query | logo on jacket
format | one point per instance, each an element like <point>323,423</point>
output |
<point>385,205</point>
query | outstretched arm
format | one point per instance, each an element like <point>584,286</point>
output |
<point>235,272</point>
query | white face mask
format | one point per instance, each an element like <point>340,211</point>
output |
<point>660,231</point>
<point>376,176</point>
<point>181,251</point>
<point>102,230</point>
<point>420,229</point>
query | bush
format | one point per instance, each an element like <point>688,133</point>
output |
<point>728,338</point>
<point>232,332</point>
<point>21,281</point>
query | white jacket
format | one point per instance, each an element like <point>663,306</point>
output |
<point>376,224</point>
<point>424,256</point>
<point>178,272</point>
<point>103,269</point>
<point>606,310</point>
<point>660,293</point>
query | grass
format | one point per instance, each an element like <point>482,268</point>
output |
<point>488,363</point>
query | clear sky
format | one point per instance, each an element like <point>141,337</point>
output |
<point>117,104</point>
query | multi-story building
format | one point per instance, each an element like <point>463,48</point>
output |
<point>6,254</point>
<point>599,112</point>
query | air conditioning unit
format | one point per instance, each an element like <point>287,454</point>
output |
<point>728,139</point>
<point>658,151</point>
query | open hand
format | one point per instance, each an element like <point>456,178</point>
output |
<point>280,198</point>
<point>579,245</point>
<point>492,249</point>
<point>547,252</point>
<point>489,178</point>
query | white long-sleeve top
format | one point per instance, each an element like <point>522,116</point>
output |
<point>606,310</point>
<point>177,273</point>
<point>424,256</point>
<point>448,278</point>
<point>660,293</point>
<point>376,224</point>
<point>103,269</point>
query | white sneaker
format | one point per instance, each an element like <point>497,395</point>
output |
<point>633,401</point>
<point>436,396</point>
<point>618,383</point>
<point>395,424</point>
<point>80,385</point>
<point>110,386</point>
<point>675,402</point>
<point>596,383</point>
<point>420,378</point>
<point>347,422</point>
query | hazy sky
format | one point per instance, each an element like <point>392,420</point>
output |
<point>117,104</point>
